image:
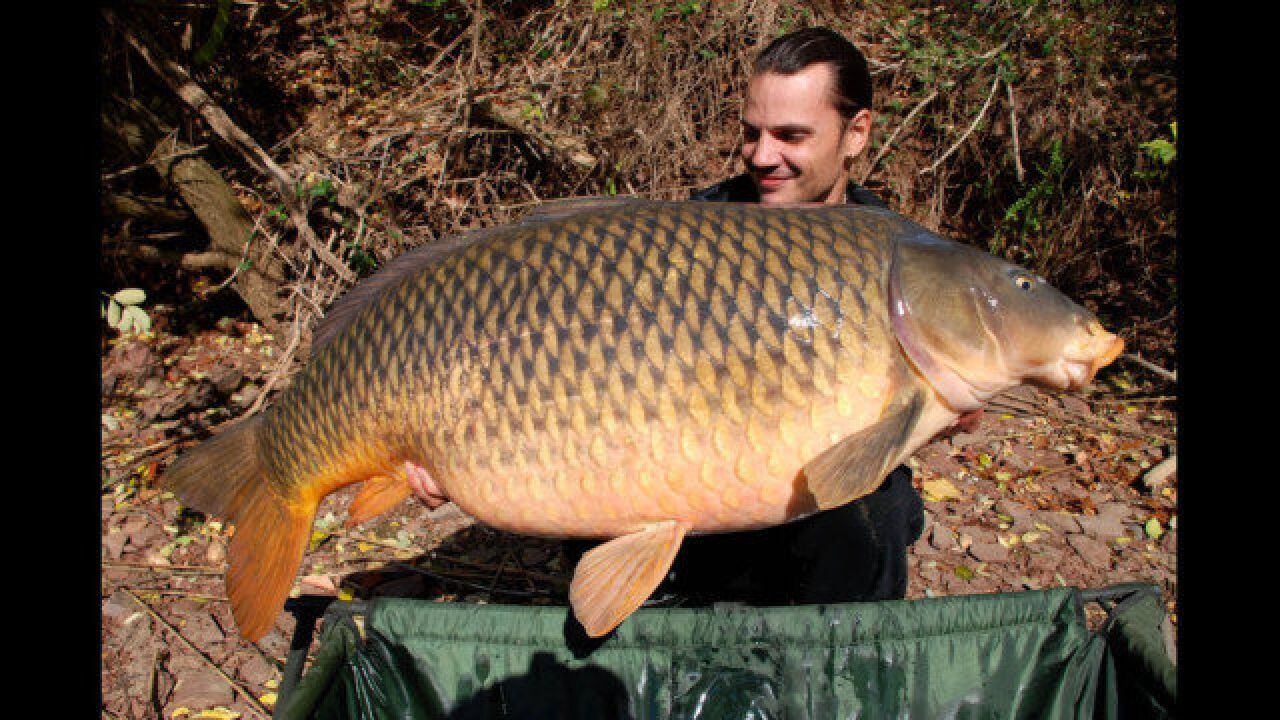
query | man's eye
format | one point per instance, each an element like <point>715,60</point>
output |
<point>750,134</point>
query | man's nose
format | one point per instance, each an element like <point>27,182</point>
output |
<point>765,153</point>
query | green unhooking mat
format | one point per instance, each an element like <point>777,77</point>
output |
<point>1015,655</point>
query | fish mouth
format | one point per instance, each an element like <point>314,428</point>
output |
<point>1080,373</point>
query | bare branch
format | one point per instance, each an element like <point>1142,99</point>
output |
<point>1013,123</point>
<point>995,82</point>
<point>884,149</point>
<point>1170,376</point>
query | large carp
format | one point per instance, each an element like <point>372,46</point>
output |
<point>637,371</point>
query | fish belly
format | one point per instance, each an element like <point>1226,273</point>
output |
<point>723,477</point>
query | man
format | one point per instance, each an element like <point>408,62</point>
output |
<point>807,118</point>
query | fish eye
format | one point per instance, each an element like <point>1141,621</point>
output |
<point>1024,282</point>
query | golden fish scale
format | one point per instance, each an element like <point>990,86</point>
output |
<point>589,376</point>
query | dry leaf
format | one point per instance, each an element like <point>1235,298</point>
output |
<point>936,489</point>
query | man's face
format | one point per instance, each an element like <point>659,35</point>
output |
<point>795,144</point>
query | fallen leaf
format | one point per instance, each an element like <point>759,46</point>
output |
<point>936,489</point>
<point>218,713</point>
<point>1154,529</point>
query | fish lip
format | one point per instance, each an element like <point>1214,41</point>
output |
<point>1109,355</point>
<point>1081,372</point>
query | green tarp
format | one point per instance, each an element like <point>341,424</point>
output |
<point>1015,655</point>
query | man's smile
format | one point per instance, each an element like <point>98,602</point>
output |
<point>772,182</point>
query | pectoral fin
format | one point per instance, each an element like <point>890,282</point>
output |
<point>856,465</point>
<point>377,495</point>
<point>613,579</point>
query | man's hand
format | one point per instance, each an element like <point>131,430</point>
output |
<point>424,487</point>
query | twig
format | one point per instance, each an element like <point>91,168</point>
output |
<point>1136,400</point>
<point>182,569</point>
<point>1159,475</point>
<point>145,452</point>
<point>506,556</point>
<point>447,558</point>
<point>1170,376</point>
<point>258,707</point>
<point>281,368</point>
<point>995,82</point>
<point>1013,123</point>
<point>1096,423</point>
<point>474,586</point>
<point>468,98</point>
<point>134,168</point>
<point>884,149</point>
<point>486,566</point>
<point>180,593</point>
<point>1091,469</point>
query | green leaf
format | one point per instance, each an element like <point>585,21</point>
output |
<point>130,296</point>
<point>964,573</point>
<point>323,188</point>
<point>1160,150</point>
<point>1154,529</point>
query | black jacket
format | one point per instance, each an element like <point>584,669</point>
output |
<point>741,188</point>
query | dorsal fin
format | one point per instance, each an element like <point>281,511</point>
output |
<point>344,309</point>
<point>564,207</point>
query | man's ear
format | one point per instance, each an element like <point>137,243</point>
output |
<point>857,134</point>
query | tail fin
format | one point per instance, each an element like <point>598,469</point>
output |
<point>224,477</point>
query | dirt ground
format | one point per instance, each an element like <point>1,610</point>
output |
<point>1042,491</point>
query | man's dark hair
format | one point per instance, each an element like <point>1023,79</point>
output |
<point>793,52</point>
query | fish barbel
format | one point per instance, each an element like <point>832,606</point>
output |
<point>636,371</point>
